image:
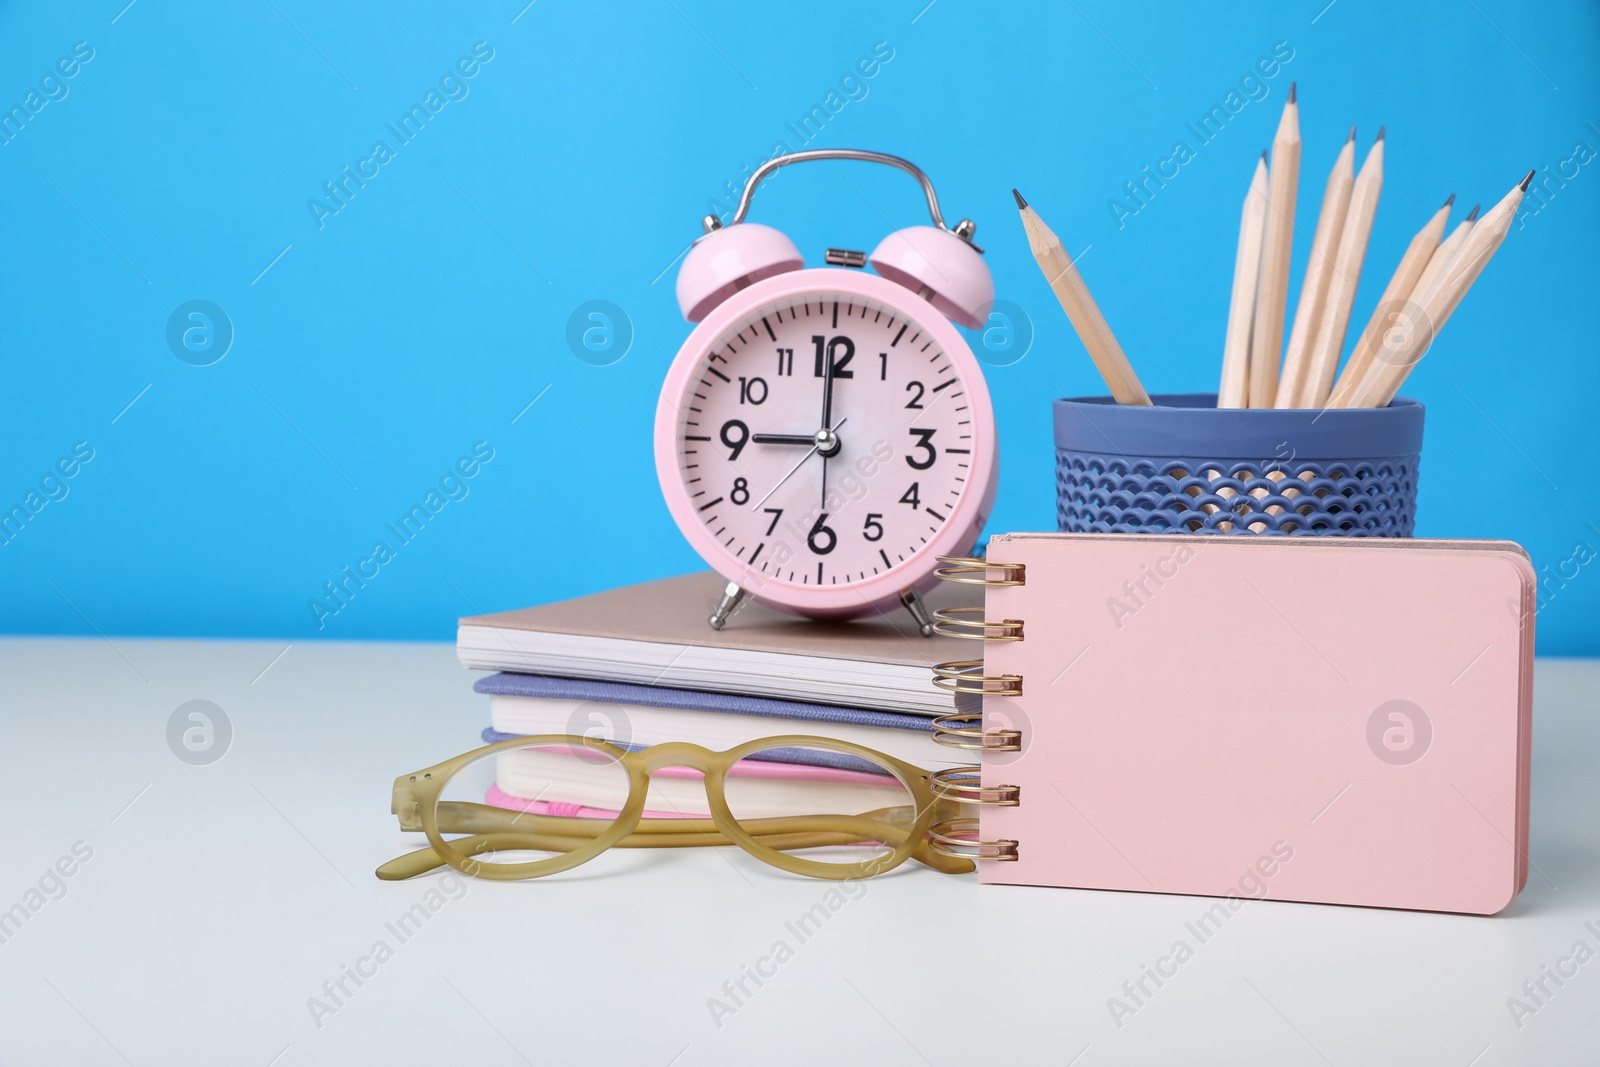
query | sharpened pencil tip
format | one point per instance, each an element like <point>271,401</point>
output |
<point>1263,155</point>
<point>1473,214</point>
<point>1449,199</point>
<point>1381,130</point>
<point>1527,181</point>
<point>1291,92</point>
<point>1021,203</point>
<point>1352,133</point>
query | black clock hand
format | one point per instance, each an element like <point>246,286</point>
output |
<point>823,437</point>
<point>804,439</point>
<point>827,410</point>
<point>827,387</point>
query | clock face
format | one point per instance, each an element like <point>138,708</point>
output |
<point>825,439</point>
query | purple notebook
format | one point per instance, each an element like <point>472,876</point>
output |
<point>543,685</point>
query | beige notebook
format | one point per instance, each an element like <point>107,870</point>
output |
<point>656,634</point>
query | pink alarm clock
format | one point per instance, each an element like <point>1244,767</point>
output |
<point>824,435</point>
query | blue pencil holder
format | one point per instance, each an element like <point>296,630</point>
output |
<point>1184,465</point>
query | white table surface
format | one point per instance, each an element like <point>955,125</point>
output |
<point>218,899</point>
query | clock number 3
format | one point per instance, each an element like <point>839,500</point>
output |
<point>923,445</point>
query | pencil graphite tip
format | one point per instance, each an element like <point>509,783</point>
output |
<point>1021,203</point>
<point>1291,92</point>
<point>1352,133</point>
<point>1381,130</point>
<point>1449,199</point>
<point>1263,155</point>
<point>1473,214</point>
<point>1527,181</point>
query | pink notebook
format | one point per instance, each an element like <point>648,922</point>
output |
<point>1312,719</point>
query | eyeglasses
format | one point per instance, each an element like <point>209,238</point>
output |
<point>534,806</point>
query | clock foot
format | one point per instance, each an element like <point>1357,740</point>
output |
<point>919,611</point>
<point>732,596</point>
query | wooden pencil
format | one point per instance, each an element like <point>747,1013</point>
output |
<point>1382,382</point>
<point>1393,342</point>
<point>1319,269</point>
<point>1392,303</point>
<point>1081,309</point>
<point>1444,255</point>
<point>1266,339</point>
<point>1341,298</point>
<point>1234,390</point>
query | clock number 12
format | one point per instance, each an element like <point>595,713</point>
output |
<point>838,351</point>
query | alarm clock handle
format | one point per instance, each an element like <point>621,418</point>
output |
<point>963,229</point>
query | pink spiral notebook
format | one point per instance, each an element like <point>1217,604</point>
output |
<point>1313,719</point>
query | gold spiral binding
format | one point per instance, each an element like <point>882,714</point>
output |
<point>961,785</point>
<point>966,676</point>
<point>957,622</point>
<point>962,569</point>
<point>959,838</point>
<point>965,730</point>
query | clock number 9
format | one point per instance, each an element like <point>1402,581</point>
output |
<point>735,435</point>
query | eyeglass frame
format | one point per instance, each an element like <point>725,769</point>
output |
<point>415,801</point>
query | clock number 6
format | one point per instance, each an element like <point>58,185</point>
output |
<point>735,435</point>
<point>924,445</point>
<point>822,539</point>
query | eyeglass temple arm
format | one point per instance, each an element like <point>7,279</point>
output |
<point>465,817</point>
<point>495,828</point>
<point>424,860</point>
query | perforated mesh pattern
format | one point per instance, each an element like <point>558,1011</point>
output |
<point>1137,494</point>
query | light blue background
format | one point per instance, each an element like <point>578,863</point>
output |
<point>429,311</point>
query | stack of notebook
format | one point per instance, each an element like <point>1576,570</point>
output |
<point>639,666</point>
